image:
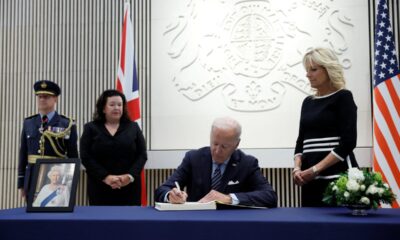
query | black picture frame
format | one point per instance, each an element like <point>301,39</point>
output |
<point>53,186</point>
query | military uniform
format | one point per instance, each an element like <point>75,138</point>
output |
<point>56,139</point>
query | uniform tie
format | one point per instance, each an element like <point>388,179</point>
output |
<point>216,178</point>
<point>45,119</point>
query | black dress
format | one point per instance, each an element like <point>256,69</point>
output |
<point>328,124</point>
<point>103,154</point>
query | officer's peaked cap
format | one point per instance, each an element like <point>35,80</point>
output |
<point>46,87</point>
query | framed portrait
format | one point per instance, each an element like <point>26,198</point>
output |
<point>53,186</point>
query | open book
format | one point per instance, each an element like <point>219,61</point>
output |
<point>186,206</point>
<point>200,206</point>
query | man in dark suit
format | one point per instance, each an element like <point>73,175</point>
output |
<point>45,135</point>
<point>220,172</point>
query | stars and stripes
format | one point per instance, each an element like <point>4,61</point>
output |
<point>386,103</point>
<point>127,82</point>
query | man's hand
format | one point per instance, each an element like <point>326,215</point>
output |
<point>176,196</point>
<point>216,196</point>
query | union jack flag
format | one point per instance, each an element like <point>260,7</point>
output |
<point>127,82</point>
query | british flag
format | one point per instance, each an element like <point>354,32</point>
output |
<point>127,81</point>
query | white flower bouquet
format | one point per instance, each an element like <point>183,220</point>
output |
<point>358,188</point>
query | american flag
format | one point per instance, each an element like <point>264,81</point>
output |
<point>127,82</point>
<point>386,103</point>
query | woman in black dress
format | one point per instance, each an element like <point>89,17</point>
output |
<point>328,128</point>
<point>113,151</point>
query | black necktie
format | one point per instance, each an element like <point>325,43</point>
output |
<point>216,178</point>
<point>45,119</point>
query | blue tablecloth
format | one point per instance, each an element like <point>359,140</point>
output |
<point>125,223</point>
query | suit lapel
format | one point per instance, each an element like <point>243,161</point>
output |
<point>230,171</point>
<point>38,121</point>
<point>207,163</point>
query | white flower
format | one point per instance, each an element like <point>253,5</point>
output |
<point>372,189</point>
<point>380,191</point>
<point>356,174</point>
<point>346,194</point>
<point>355,188</point>
<point>352,185</point>
<point>365,200</point>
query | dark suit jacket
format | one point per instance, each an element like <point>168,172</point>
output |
<point>242,177</point>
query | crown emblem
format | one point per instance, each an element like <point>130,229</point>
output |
<point>43,85</point>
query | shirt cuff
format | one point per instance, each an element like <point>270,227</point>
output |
<point>235,200</point>
<point>131,178</point>
<point>166,197</point>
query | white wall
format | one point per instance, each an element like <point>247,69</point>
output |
<point>243,59</point>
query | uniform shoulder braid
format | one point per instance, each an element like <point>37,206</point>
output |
<point>56,138</point>
<point>66,117</point>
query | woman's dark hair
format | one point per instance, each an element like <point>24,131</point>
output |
<point>99,115</point>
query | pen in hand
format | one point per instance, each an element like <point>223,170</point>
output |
<point>178,187</point>
<point>177,195</point>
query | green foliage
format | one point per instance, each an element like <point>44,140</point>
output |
<point>356,187</point>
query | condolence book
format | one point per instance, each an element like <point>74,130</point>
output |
<point>199,206</point>
<point>186,206</point>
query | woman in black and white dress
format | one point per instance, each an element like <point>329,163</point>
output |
<point>328,128</point>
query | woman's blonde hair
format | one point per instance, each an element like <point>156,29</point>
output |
<point>328,60</point>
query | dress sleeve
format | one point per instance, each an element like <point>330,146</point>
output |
<point>92,167</point>
<point>141,153</point>
<point>300,136</point>
<point>347,117</point>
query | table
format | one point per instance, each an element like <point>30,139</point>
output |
<point>147,223</point>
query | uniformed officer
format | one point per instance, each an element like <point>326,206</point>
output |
<point>45,135</point>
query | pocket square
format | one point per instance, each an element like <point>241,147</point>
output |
<point>233,183</point>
